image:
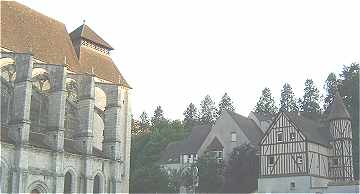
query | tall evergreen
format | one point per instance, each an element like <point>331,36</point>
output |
<point>266,103</point>
<point>287,100</point>
<point>207,111</point>
<point>349,90</point>
<point>191,117</point>
<point>311,98</point>
<point>225,104</point>
<point>158,116</point>
<point>144,121</point>
<point>330,88</point>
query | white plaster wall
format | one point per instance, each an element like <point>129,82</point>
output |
<point>282,184</point>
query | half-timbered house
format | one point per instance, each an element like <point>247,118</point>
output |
<point>302,154</point>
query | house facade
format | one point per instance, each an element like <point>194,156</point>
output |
<point>65,108</point>
<point>299,154</point>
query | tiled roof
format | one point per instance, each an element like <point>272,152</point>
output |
<point>314,131</point>
<point>26,30</point>
<point>337,109</point>
<point>86,32</point>
<point>102,65</point>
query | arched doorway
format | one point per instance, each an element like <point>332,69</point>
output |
<point>68,183</point>
<point>97,184</point>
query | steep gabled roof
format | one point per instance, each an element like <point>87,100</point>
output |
<point>215,145</point>
<point>193,142</point>
<point>171,154</point>
<point>313,131</point>
<point>248,126</point>
<point>337,109</point>
<point>101,65</point>
<point>87,33</point>
<point>26,30</point>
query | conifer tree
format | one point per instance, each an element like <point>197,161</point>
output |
<point>144,121</point>
<point>191,117</point>
<point>225,104</point>
<point>207,111</point>
<point>158,116</point>
<point>310,101</point>
<point>287,100</point>
<point>266,103</point>
<point>330,88</point>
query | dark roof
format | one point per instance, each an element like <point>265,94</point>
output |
<point>86,32</point>
<point>248,126</point>
<point>171,154</point>
<point>101,65</point>
<point>28,31</point>
<point>314,131</point>
<point>194,141</point>
<point>264,116</point>
<point>189,145</point>
<point>215,145</point>
<point>337,109</point>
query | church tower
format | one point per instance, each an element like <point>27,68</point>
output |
<point>341,164</point>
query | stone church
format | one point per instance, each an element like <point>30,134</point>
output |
<point>65,109</point>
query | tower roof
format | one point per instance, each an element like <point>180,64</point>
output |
<point>86,32</point>
<point>338,109</point>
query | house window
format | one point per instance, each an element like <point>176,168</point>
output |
<point>233,137</point>
<point>299,159</point>
<point>292,186</point>
<point>185,158</point>
<point>335,161</point>
<point>279,136</point>
<point>271,160</point>
<point>292,135</point>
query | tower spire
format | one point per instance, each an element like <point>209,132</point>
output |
<point>337,108</point>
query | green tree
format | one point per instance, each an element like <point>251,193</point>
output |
<point>330,88</point>
<point>144,121</point>
<point>225,104</point>
<point>211,174</point>
<point>242,170</point>
<point>266,103</point>
<point>311,98</point>
<point>158,116</point>
<point>349,90</point>
<point>288,100</point>
<point>191,117</point>
<point>207,111</point>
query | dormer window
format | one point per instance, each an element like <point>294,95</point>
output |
<point>279,136</point>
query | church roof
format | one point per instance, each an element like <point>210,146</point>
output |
<point>86,32</point>
<point>248,126</point>
<point>215,145</point>
<point>337,109</point>
<point>102,65</point>
<point>26,30</point>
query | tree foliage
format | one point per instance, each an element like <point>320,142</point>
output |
<point>330,89</point>
<point>225,104</point>
<point>158,116</point>
<point>191,117</point>
<point>311,98</point>
<point>266,103</point>
<point>288,100</point>
<point>349,90</point>
<point>211,174</point>
<point>207,111</point>
<point>242,170</point>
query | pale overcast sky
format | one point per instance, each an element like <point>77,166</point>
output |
<point>175,52</point>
